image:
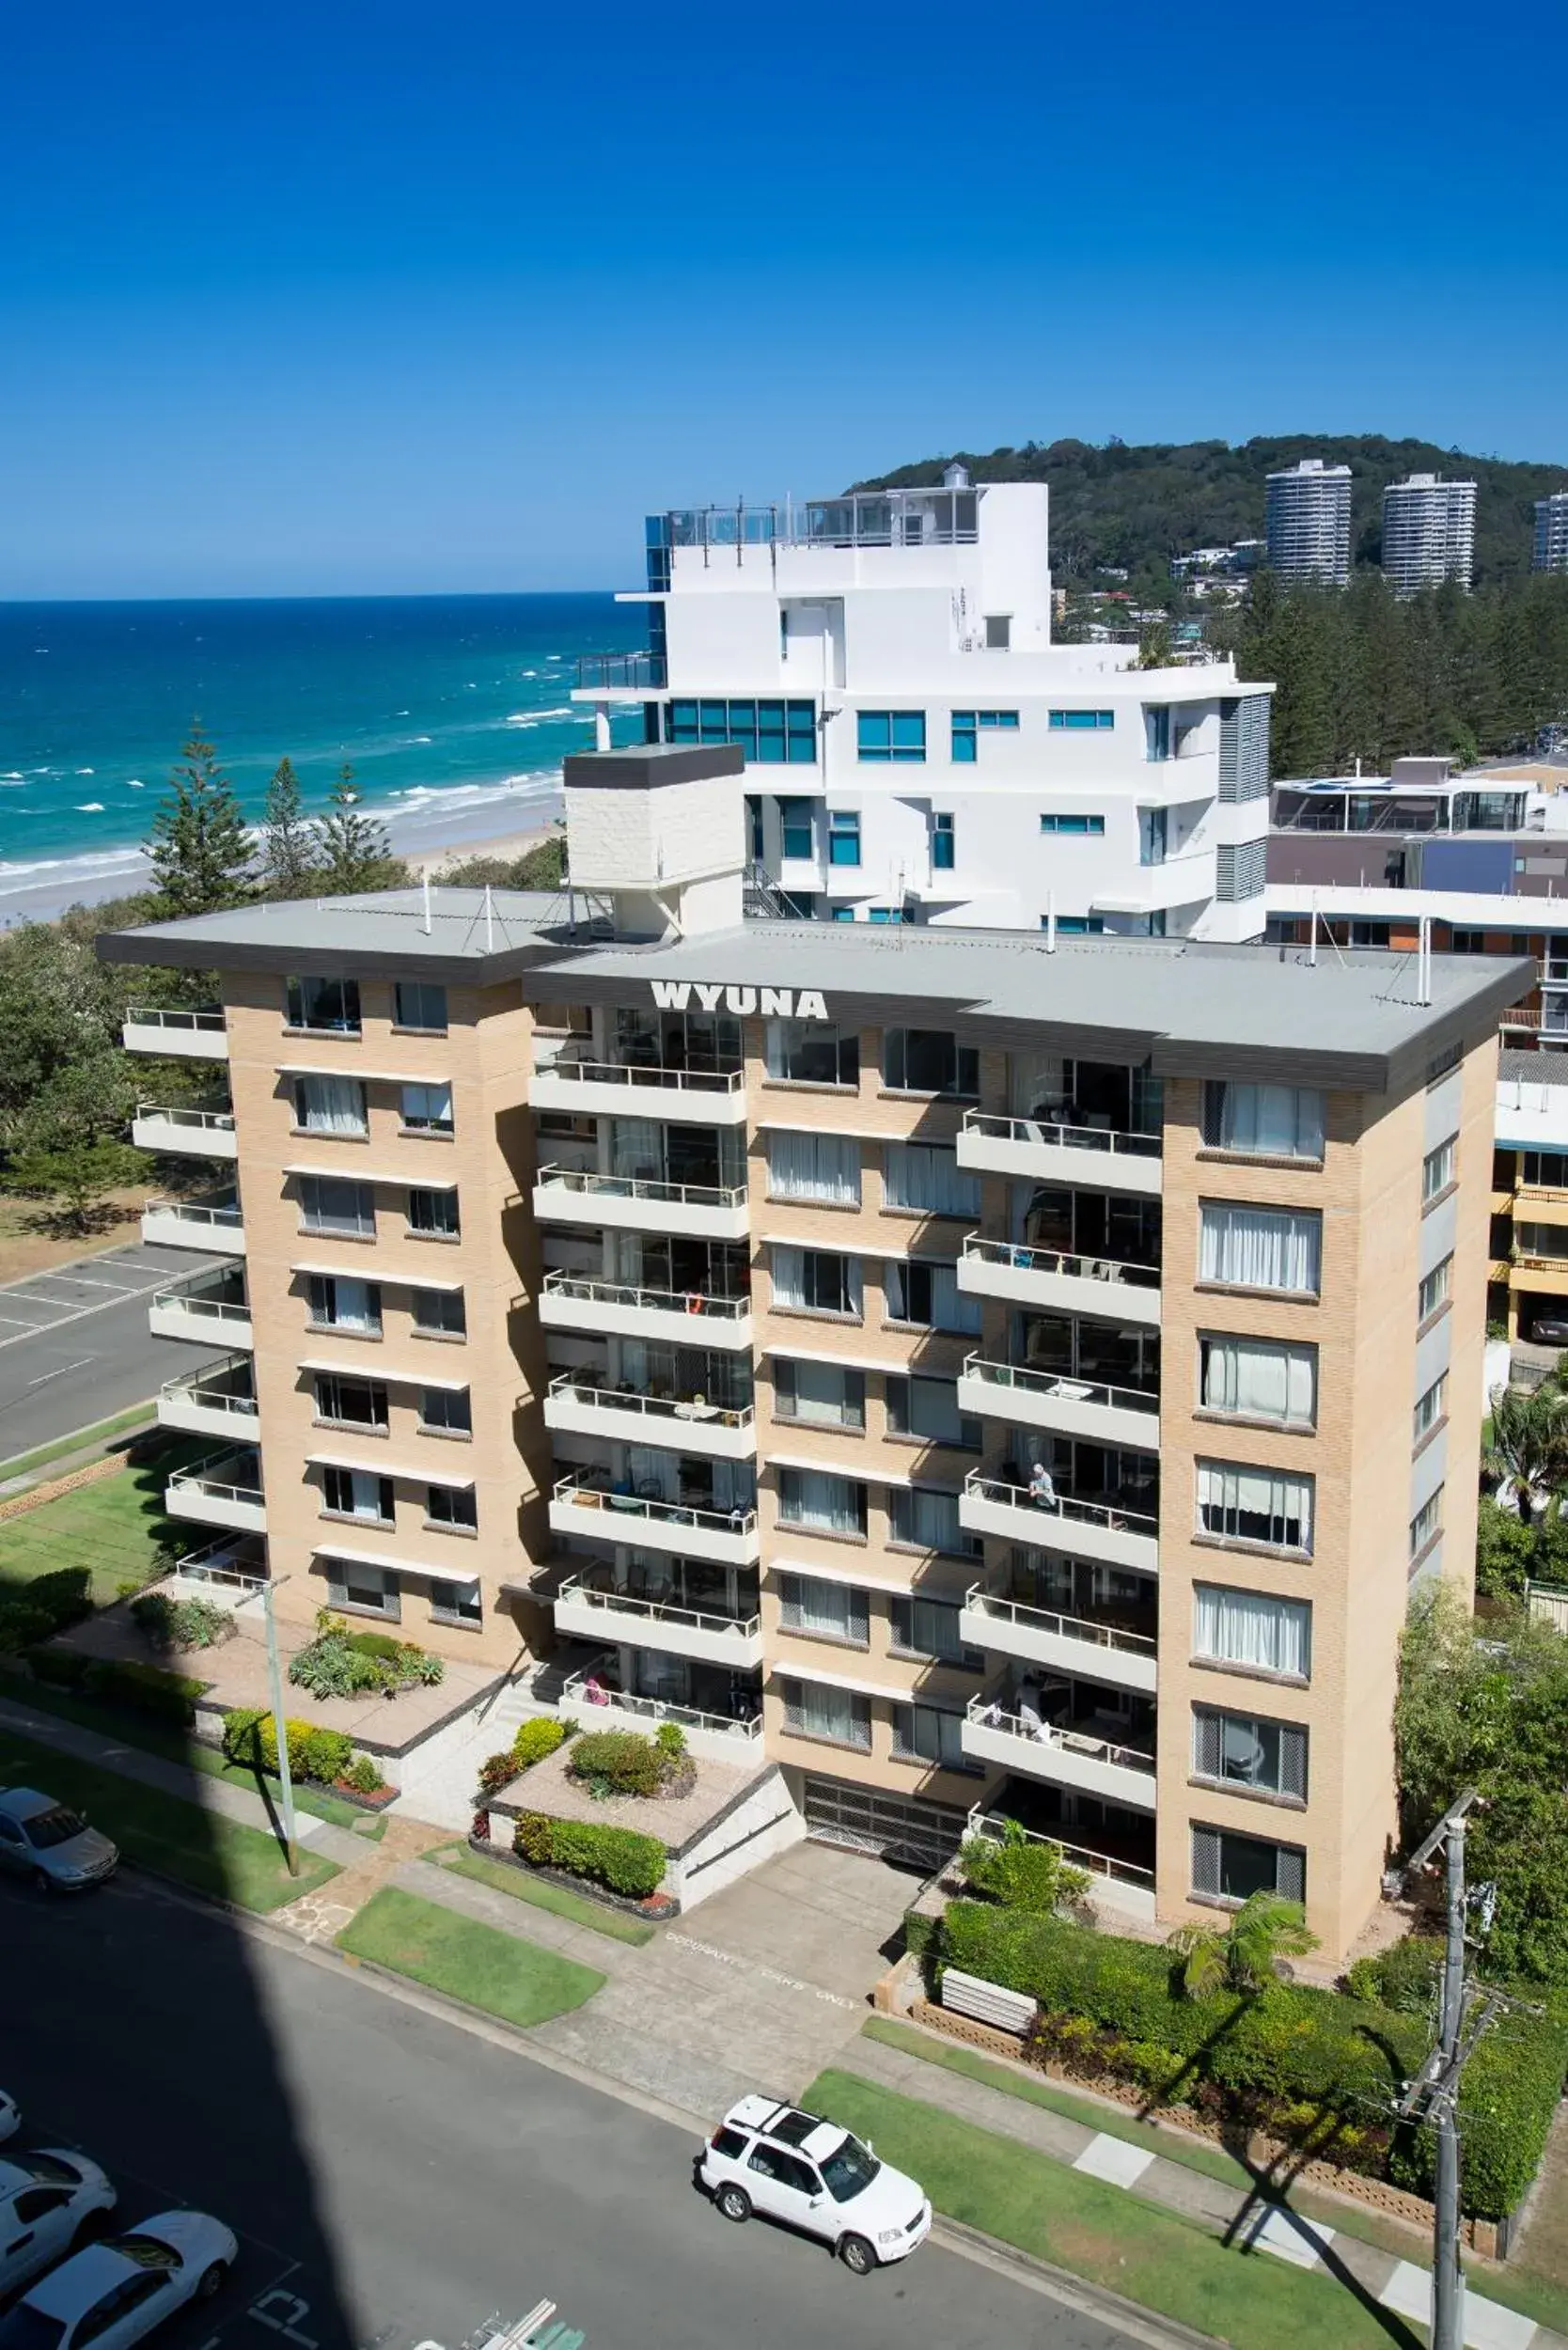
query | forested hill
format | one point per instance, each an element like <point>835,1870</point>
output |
<point>1136,505</point>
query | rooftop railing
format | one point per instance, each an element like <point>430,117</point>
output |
<point>1078,1266</point>
<point>1064,1385</point>
<point>867,518</point>
<point>692,1410</point>
<point>997,1828</point>
<point>645,669</point>
<point>694,1301</point>
<point>1060,1130</point>
<point>222,1214</point>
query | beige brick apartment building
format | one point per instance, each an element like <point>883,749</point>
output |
<point>968,1375</point>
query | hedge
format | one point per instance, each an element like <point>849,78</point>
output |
<point>1330,2058</point>
<point>250,1738</point>
<point>48,1604</point>
<point>616,1857</point>
<point>170,1697</point>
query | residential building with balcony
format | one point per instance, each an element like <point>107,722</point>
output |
<point>1429,532</point>
<point>965,1373</point>
<point>1551,549</point>
<point>1308,521</point>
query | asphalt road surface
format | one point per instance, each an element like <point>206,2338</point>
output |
<point>74,1344</point>
<point>395,2180</point>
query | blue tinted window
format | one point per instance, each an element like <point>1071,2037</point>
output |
<point>964,736</point>
<point>897,735</point>
<point>771,733</point>
<point>1095,824</point>
<point>795,818</point>
<point>1077,721</point>
<point>843,914</point>
<point>942,844</point>
<point>1075,925</point>
<point>844,836</point>
<point>1004,720</point>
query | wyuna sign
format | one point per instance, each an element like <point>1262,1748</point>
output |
<point>774,1003</point>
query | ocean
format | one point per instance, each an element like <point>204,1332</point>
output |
<point>453,710</point>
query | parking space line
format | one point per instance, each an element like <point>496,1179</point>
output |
<point>80,1314</point>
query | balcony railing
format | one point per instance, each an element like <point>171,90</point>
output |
<point>222,1218</point>
<point>608,669</point>
<point>647,1074</point>
<point>867,518</point>
<point>589,1595</point>
<point>203,1121</point>
<point>1065,1385</point>
<point>1075,1266</point>
<point>692,1410</point>
<point>208,1309</point>
<point>692,1302</point>
<point>1051,1130</point>
<point>570,1179</point>
<point>1106,1636</point>
<point>233,1563</point>
<point>578,1494</point>
<point>996,1827</point>
<point>238,1405</point>
<point>216,1488</point>
<point>1063,1506</point>
<point>204,1023</point>
<point>661,1710</point>
<point>990,1714</point>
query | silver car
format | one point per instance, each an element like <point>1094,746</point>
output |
<point>48,1842</point>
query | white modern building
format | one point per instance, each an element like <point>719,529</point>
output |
<point>1551,533</point>
<point>1309,521</point>
<point>917,747</point>
<point>1429,532</point>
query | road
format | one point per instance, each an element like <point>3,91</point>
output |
<point>74,1344</point>
<point>394,2179</point>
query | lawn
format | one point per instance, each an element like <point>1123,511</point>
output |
<point>1102,2233</point>
<point>117,1527</point>
<point>476,1964</point>
<point>199,1849</point>
<point>542,1894</point>
<point>21,1463</point>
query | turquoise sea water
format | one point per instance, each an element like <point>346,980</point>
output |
<point>454,712</point>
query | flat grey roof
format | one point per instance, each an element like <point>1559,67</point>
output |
<point>474,934</point>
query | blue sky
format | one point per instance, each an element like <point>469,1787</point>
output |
<point>339,297</point>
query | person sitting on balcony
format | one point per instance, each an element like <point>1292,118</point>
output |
<point>1043,1492</point>
<point>595,1691</point>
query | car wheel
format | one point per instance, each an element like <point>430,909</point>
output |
<point>212,2281</point>
<point>90,2227</point>
<point>734,2203</point>
<point>857,2255</point>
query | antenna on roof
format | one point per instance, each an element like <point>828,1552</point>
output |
<point>489,918</point>
<point>1424,960</point>
<point>427,921</point>
<point>1050,923</point>
<point>1312,949</point>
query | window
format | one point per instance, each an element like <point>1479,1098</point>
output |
<point>1157,718</point>
<point>926,1177</point>
<point>928,1296</point>
<point>351,1403</point>
<point>1152,835</point>
<point>814,1167</point>
<point>821,1504</point>
<point>890,914</point>
<point>1229,1868</point>
<point>451,1504</point>
<point>1438,1169</point>
<point>1467,942</point>
<point>1434,1291</point>
<point>827,1611</point>
<point>1241,1750</point>
<point>1432,1408</point>
<point>818,1393</point>
<point>337,1304</point>
<point>812,1053</point>
<point>998,631</point>
<point>840,1717</point>
<point>923,1520</point>
<point>446,1411</point>
<point>1254,1505</point>
<point>1543,1168</point>
<point>1075,925</point>
<point>330,1105</point>
<point>356,1494</point>
<point>843,835</point>
<point>440,1311</point>
<point>456,1603</point>
<point>942,843</point>
<point>332,1005</point>
<point>929,1627</point>
<point>771,733</point>
<point>369,1590</point>
<point>929,1734</point>
<point>419,1004</point>
<point>1426,1524</point>
<point>329,1206</point>
<point>435,1213</point>
<point>929,1060</point>
<point>427,1109</point>
<point>1092,827</point>
<point>969,725</point>
<point>1249,1628</point>
<point>1263,1121</point>
<point>928,1408</point>
<point>1257,1379</point>
<point>794,817</point>
<point>896,735</point>
<point>1081,721</point>
<point>1369,933</point>
<point>816,1281</point>
<point>1261,1248</point>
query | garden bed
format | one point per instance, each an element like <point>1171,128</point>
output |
<point>651,1909</point>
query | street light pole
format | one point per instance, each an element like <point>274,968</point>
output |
<point>1437,2086</point>
<point>280,1726</point>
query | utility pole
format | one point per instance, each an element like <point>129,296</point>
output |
<point>280,1726</point>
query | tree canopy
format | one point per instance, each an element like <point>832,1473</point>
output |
<point>200,851</point>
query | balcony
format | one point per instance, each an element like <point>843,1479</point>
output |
<point>1118,1884</point>
<point>1046,1151</point>
<point>223,1490</point>
<point>720,1432</point>
<point>1064,1756</point>
<point>718,1736</point>
<point>588,1610</point>
<point>729,1537</point>
<point>176,1035</point>
<point>1068,1407</point>
<point>1060,1279</point>
<point>569,1301</point>
<point>232,1562</point>
<point>621,672</point>
<point>219,1399</point>
<point>1087,1529</point>
<point>636,1203</point>
<point>606,1089</point>
<point>216,1315</point>
<point>1074,1644</point>
<point>184,1134</point>
<point>215,1225</point>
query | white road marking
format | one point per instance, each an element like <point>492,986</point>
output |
<point>80,1314</point>
<point>45,1377</point>
<point>754,1966</point>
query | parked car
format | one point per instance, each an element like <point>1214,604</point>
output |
<point>10,2116</point>
<point>1550,1330</point>
<point>48,1842</point>
<point>115,2291</point>
<point>789,2164</point>
<point>46,2200</point>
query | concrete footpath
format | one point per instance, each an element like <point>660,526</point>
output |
<point>1238,2217</point>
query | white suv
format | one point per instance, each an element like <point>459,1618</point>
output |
<point>773,2158</point>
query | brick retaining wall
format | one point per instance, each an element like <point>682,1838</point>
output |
<point>50,1490</point>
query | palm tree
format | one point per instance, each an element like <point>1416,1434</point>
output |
<point>1244,1955</point>
<point>1529,1443</point>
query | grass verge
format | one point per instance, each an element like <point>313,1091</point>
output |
<point>117,1527</point>
<point>220,1858</point>
<point>476,1964</point>
<point>140,1415</point>
<point>541,1893</point>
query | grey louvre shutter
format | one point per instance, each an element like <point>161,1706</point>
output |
<point>788,1604</point>
<point>1244,724</point>
<point>1289,1871</point>
<point>1214,1113</point>
<point>1205,1860</point>
<point>1293,1762</point>
<point>1205,1743</point>
<point>791,1704</point>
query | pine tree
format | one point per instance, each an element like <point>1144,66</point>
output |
<point>200,851</point>
<point>290,843</point>
<point>356,852</point>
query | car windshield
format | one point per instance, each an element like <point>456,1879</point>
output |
<point>846,2174</point>
<point>144,2250</point>
<point>53,1827</point>
<point>26,2329</point>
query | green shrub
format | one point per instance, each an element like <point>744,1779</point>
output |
<point>1405,1976</point>
<point>61,1668</point>
<point>1022,1873</point>
<point>364,1774</point>
<point>145,1688</point>
<point>536,1738</point>
<point>48,1604</point>
<point>384,1645</point>
<point>339,1663</point>
<point>533,1837</point>
<point>618,1763</point>
<point>182,1622</point>
<point>250,1739</point>
<point>670,1740</point>
<point>497,1771</point>
<point>919,1932</point>
<point>619,1857</point>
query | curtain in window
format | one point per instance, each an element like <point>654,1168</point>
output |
<point>820,1392</point>
<point>1255,1505</point>
<point>651,1472</point>
<point>1248,1628</point>
<point>928,1177</point>
<point>950,1308</point>
<point>835,1611</point>
<point>637,1147</point>
<point>1275,1121</point>
<point>927,1735</point>
<point>789,1277</point>
<point>332,1105</point>
<point>820,1713</point>
<point>929,1519</point>
<point>358,1305</point>
<point>811,1498</point>
<point>814,1167</point>
<point>1037,1082</point>
<point>1261,1248</point>
<point>1265,1382</point>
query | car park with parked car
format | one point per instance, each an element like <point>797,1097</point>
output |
<point>52,1844</point>
<point>47,2199</point>
<point>115,2291</point>
<point>773,2159</point>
